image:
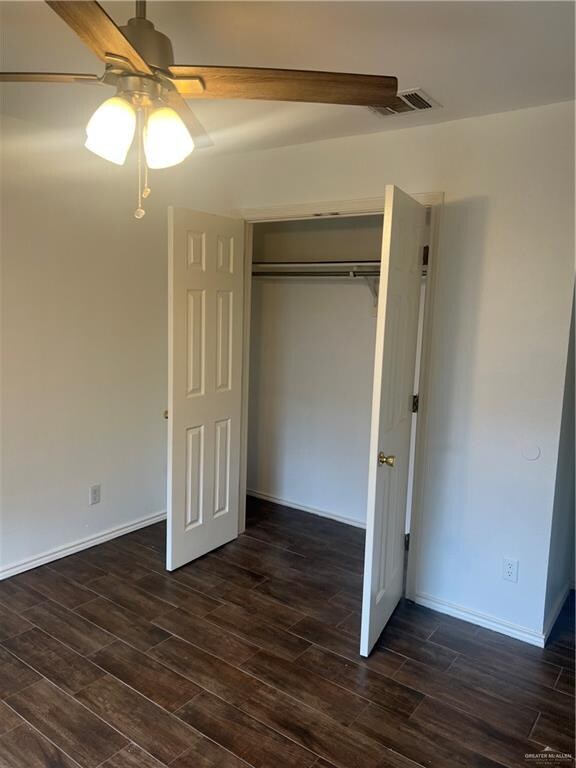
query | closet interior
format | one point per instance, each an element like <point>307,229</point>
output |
<point>314,301</point>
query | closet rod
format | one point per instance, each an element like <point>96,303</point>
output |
<point>351,273</point>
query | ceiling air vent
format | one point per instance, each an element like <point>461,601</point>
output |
<point>414,100</point>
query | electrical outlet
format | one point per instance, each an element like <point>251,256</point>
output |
<point>94,495</point>
<point>510,569</point>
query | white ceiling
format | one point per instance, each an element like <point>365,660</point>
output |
<point>474,58</point>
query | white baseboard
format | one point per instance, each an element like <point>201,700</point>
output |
<point>302,508</point>
<point>79,544</point>
<point>555,612</point>
<point>482,619</point>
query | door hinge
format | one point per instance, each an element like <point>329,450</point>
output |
<point>406,541</point>
<point>415,403</point>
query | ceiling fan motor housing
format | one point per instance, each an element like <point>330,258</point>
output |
<point>154,47</point>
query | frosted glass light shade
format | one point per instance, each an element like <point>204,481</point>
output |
<point>111,129</point>
<point>166,139</point>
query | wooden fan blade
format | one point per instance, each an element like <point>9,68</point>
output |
<point>197,130</point>
<point>94,27</point>
<point>46,77</point>
<point>284,85</point>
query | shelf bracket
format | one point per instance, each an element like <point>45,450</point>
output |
<point>372,283</point>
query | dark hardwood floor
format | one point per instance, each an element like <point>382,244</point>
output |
<point>249,657</point>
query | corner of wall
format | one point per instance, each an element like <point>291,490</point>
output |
<point>560,576</point>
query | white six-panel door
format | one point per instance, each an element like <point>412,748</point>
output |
<point>395,356</point>
<point>206,279</point>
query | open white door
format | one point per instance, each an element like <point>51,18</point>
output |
<point>395,356</point>
<point>205,315</point>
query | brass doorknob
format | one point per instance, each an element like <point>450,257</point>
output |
<point>388,460</point>
<point>165,414</point>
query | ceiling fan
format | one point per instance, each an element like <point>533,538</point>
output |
<point>152,90</point>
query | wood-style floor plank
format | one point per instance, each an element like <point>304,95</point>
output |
<point>554,653</point>
<point>14,674</point>
<point>307,599</point>
<point>291,540</point>
<point>313,730</point>
<point>266,636</point>
<point>17,598</point>
<point>170,591</point>
<point>67,724</point>
<point>410,739</point>
<point>516,689</point>
<point>108,558</point>
<point>381,659</point>
<point>244,736</point>
<point>556,732</point>
<point>76,568</point>
<point>310,688</point>
<point>11,623</point>
<point>351,625</point>
<point>268,609</point>
<point>149,726</point>
<point>495,658</point>
<point>206,670</point>
<point>474,733</point>
<point>514,718</point>
<point>201,581</point>
<point>207,754</point>
<point>54,587</point>
<point>8,719</point>
<point>361,680</point>
<point>67,626</point>
<point>53,660</point>
<point>158,683</point>
<point>206,635</point>
<point>427,652</point>
<point>147,558</point>
<point>132,757</point>
<point>26,748</point>
<point>565,682</point>
<point>416,623</point>
<point>229,572</point>
<point>123,623</point>
<point>127,595</point>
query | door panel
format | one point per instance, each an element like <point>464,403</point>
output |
<point>206,284</point>
<point>395,357</point>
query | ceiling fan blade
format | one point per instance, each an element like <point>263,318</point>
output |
<point>94,27</point>
<point>284,85</point>
<point>201,139</point>
<point>47,77</point>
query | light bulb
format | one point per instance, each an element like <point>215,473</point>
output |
<point>110,130</point>
<point>166,139</point>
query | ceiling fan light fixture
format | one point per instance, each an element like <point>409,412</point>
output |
<point>110,130</point>
<point>167,141</point>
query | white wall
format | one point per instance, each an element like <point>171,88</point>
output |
<point>561,558</point>
<point>83,370</point>
<point>499,339</point>
<point>311,369</point>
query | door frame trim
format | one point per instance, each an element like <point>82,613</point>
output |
<point>332,209</point>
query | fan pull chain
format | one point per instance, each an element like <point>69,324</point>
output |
<point>146,191</point>
<point>140,212</point>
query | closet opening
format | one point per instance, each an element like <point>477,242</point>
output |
<point>311,337</point>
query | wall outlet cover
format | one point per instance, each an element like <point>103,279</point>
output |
<point>94,495</point>
<point>510,569</point>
